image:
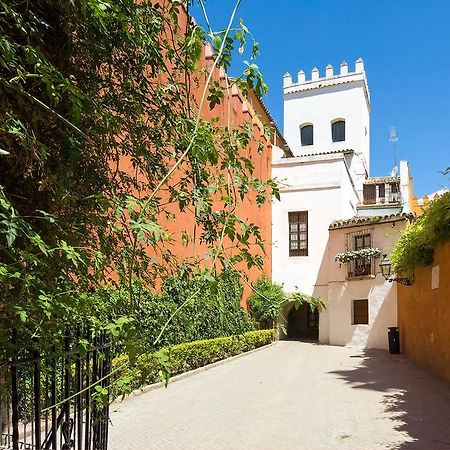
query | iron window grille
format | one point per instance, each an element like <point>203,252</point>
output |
<point>360,267</point>
<point>312,318</point>
<point>298,233</point>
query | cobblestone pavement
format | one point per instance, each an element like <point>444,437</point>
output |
<point>292,395</point>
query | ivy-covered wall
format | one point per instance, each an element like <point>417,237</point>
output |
<point>424,314</point>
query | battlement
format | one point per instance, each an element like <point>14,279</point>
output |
<point>329,74</point>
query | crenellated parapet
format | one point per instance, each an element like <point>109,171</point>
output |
<point>328,77</point>
<point>329,73</point>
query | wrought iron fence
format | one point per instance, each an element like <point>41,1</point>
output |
<point>52,399</point>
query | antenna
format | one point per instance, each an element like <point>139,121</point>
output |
<point>393,138</point>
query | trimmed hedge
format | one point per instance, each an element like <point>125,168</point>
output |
<point>149,369</point>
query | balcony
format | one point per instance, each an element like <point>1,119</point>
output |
<point>361,267</point>
<point>380,194</point>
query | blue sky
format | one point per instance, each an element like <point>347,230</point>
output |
<point>405,45</point>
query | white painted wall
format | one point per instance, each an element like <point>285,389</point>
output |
<point>337,328</point>
<point>326,186</point>
<point>319,102</point>
<point>321,186</point>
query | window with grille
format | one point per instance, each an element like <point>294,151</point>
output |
<point>298,233</point>
<point>360,312</point>
<point>338,131</point>
<point>360,266</point>
<point>306,134</point>
<point>312,318</point>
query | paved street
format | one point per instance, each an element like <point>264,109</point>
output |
<point>292,396</point>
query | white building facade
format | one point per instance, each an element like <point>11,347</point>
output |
<point>327,127</point>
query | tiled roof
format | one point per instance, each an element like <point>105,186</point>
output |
<point>345,151</point>
<point>331,152</point>
<point>369,220</point>
<point>376,180</point>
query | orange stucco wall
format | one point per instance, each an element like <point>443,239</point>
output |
<point>241,112</point>
<point>424,316</point>
<point>234,110</point>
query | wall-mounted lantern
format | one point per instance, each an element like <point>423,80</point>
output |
<point>386,271</point>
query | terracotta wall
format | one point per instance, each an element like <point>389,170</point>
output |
<point>241,110</point>
<point>424,316</point>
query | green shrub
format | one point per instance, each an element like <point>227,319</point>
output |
<point>211,313</point>
<point>266,301</point>
<point>416,245</point>
<point>188,356</point>
<point>269,299</point>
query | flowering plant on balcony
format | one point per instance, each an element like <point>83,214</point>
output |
<point>365,253</point>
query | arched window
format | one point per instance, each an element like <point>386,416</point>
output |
<point>306,134</point>
<point>338,130</point>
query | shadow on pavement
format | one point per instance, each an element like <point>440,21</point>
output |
<point>415,398</point>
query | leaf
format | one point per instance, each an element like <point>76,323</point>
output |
<point>163,359</point>
<point>3,152</point>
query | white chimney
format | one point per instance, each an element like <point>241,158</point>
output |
<point>329,71</point>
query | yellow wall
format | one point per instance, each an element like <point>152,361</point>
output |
<point>418,209</point>
<point>424,316</point>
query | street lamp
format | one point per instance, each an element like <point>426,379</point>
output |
<point>386,271</point>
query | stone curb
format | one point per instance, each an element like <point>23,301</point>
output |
<point>181,376</point>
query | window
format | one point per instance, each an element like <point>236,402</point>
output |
<point>306,134</point>
<point>360,267</point>
<point>312,318</point>
<point>360,312</point>
<point>338,131</point>
<point>298,233</point>
<point>370,194</point>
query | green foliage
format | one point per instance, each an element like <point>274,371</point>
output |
<point>266,301</point>
<point>153,367</point>
<point>214,310</point>
<point>314,303</point>
<point>85,87</point>
<point>415,248</point>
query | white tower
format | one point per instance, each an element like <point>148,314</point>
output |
<point>326,125</point>
<point>317,104</point>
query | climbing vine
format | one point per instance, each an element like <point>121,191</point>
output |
<point>416,245</point>
<point>102,144</point>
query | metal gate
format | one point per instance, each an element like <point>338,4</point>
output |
<point>57,400</point>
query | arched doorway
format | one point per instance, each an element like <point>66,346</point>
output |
<point>303,323</point>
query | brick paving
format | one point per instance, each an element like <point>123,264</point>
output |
<point>292,395</point>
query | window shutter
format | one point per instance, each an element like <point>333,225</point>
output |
<point>306,135</point>
<point>360,312</point>
<point>298,233</point>
<point>369,194</point>
<point>338,131</point>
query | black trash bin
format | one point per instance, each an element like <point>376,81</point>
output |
<point>394,340</point>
